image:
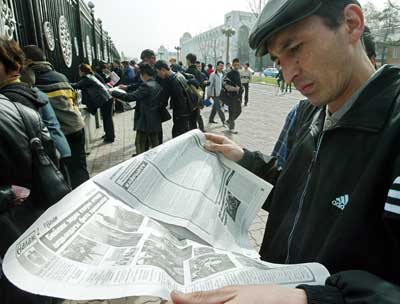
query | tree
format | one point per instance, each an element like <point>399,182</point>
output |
<point>256,6</point>
<point>383,24</point>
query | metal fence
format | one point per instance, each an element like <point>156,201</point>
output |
<point>66,30</point>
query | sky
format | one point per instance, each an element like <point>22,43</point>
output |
<point>135,25</point>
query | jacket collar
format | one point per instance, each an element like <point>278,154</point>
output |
<point>374,104</point>
<point>41,66</point>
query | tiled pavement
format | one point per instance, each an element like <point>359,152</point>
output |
<point>258,126</point>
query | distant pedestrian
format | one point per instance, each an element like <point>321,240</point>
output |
<point>174,66</point>
<point>214,91</point>
<point>194,68</point>
<point>183,116</point>
<point>245,77</point>
<point>96,95</point>
<point>233,85</point>
<point>210,69</point>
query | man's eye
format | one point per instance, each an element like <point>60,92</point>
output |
<point>295,49</point>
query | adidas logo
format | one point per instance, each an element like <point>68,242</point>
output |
<point>341,202</point>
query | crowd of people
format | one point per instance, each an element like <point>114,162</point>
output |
<point>335,168</point>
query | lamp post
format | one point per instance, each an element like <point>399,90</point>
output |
<point>228,31</point>
<point>91,6</point>
<point>101,55</point>
<point>178,52</point>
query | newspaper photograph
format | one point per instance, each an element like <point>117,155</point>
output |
<point>182,184</point>
<point>91,245</point>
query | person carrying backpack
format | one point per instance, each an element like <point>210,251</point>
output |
<point>182,102</point>
<point>95,95</point>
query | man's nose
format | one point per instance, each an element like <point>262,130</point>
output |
<point>290,69</point>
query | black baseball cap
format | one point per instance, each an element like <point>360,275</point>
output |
<point>278,15</point>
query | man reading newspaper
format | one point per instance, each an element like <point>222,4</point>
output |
<point>337,201</point>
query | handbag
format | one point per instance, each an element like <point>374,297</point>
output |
<point>48,184</point>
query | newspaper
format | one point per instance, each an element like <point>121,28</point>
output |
<point>182,184</point>
<point>93,246</point>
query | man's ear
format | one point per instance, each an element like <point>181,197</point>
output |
<point>354,22</point>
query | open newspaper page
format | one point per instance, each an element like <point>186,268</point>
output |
<point>182,184</point>
<point>92,246</point>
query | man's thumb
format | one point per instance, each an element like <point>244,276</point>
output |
<point>202,297</point>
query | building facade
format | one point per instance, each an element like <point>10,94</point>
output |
<point>211,46</point>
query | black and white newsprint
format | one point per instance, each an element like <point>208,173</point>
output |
<point>100,243</point>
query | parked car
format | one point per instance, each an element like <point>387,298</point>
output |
<point>271,72</point>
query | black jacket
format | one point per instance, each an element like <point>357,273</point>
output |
<point>148,99</point>
<point>197,74</point>
<point>178,99</point>
<point>328,202</point>
<point>94,95</point>
<point>15,169</point>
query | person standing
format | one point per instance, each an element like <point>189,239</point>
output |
<point>94,91</point>
<point>183,117</point>
<point>63,100</point>
<point>147,119</point>
<point>245,78</point>
<point>336,200</point>
<point>210,69</point>
<point>194,68</point>
<point>214,91</point>
<point>233,85</point>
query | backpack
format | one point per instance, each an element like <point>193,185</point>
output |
<point>194,94</point>
<point>95,96</point>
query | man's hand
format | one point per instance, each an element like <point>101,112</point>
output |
<point>217,143</point>
<point>250,294</point>
<point>21,194</point>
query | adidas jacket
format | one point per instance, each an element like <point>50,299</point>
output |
<point>337,201</point>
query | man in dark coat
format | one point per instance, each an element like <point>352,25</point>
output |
<point>184,118</point>
<point>193,70</point>
<point>337,199</point>
<point>147,120</point>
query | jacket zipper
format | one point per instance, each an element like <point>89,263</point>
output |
<point>296,219</point>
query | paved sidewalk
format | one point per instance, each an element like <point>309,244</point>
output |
<point>258,126</point>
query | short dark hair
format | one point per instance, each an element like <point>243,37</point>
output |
<point>369,42</point>
<point>132,62</point>
<point>34,53</point>
<point>247,64</point>
<point>210,66</point>
<point>11,55</point>
<point>146,54</point>
<point>332,12</point>
<point>147,69</point>
<point>228,63</point>
<point>236,60</point>
<point>219,62</point>
<point>192,58</point>
<point>161,64</point>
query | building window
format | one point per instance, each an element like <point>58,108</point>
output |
<point>396,52</point>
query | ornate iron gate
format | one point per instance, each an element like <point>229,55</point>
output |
<point>65,29</point>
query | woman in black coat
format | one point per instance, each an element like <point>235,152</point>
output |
<point>95,95</point>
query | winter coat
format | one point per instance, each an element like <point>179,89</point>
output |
<point>62,96</point>
<point>336,201</point>
<point>148,99</point>
<point>94,92</point>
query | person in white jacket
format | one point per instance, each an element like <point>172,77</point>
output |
<point>214,91</point>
